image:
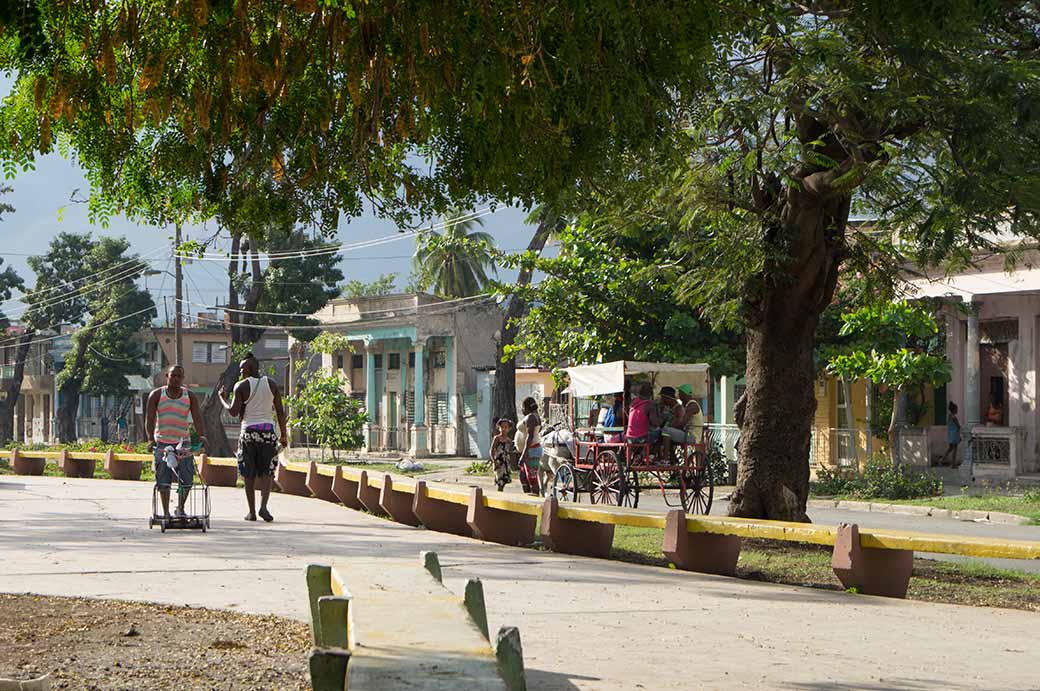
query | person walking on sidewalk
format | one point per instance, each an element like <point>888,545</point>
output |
<point>166,423</point>
<point>257,401</point>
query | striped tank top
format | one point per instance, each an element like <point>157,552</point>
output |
<point>171,425</point>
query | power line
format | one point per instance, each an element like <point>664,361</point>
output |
<point>80,292</point>
<point>332,249</point>
<point>66,286</point>
<point>85,328</point>
<point>401,312</point>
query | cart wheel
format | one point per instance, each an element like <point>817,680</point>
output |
<point>696,490</point>
<point>607,483</point>
<point>564,487</point>
<point>631,496</point>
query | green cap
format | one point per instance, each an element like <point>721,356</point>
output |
<point>686,389</point>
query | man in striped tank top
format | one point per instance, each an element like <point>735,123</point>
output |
<point>166,422</point>
<point>257,401</point>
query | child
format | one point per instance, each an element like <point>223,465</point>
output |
<point>503,452</point>
<point>953,437</point>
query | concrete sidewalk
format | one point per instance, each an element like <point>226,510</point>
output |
<point>585,623</point>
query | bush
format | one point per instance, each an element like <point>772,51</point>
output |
<point>880,480</point>
<point>833,481</point>
<point>89,445</point>
<point>478,468</point>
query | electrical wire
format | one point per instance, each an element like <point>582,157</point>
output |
<point>401,313</point>
<point>79,293</point>
<point>65,286</point>
<point>332,249</point>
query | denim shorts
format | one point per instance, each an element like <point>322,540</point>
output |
<point>164,475</point>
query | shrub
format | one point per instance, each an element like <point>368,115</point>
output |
<point>478,468</point>
<point>880,480</point>
<point>832,481</point>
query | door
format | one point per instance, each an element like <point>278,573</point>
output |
<point>392,422</point>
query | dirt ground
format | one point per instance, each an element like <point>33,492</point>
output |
<point>105,644</point>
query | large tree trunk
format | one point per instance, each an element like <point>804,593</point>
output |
<point>219,444</point>
<point>13,388</point>
<point>68,410</point>
<point>503,404</point>
<point>779,403</point>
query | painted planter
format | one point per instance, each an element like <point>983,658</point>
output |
<point>27,466</point>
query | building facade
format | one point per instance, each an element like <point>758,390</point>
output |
<point>413,360</point>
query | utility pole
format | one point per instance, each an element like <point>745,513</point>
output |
<point>178,358</point>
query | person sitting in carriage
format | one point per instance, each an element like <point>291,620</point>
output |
<point>644,419</point>
<point>679,409</point>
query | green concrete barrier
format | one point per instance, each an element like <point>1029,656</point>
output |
<point>398,627</point>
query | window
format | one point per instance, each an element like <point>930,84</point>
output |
<point>939,404</point>
<point>278,343</point>
<point>339,362</point>
<point>411,359</point>
<point>357,361</point>
<point>379,360</point>
<point>209,352</point>
<point>440,358</point>
<point>395,361</point>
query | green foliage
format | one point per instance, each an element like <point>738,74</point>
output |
<point>893,344</point>
<point>455,263</point>
<point>610,293</point>
<point>386,284</point>
<point>478,468</point>
<point>326,413</point>
<point>291,286</point>
<point>329,343</point>
<point>718,465</point>
<point>96,280</point>
<point>880,480</point>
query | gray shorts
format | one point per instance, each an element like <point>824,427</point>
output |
<point>677,435</point>
<point>164,475</point>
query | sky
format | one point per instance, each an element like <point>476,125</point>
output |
<point>43,204</point>
<point>43,208</point>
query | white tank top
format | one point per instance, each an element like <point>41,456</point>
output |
<point>260,404</point>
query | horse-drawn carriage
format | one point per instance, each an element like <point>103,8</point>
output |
<point>610,469</point>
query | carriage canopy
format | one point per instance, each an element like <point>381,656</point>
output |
<point>609,377</point>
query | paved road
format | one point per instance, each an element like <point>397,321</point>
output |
<point>585,623</point>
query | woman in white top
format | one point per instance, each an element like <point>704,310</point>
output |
<point>257,401</point>
<point>529,442</point>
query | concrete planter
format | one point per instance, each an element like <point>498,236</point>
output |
<point>27,466</point>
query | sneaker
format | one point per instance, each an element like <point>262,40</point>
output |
<point>266,515</point>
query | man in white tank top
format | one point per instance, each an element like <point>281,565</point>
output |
<point>257,401</point>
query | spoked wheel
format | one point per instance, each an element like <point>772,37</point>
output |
<point>565,488</point>
<point>696,489</point>
<point>630,498</point>
<point>607,482</point>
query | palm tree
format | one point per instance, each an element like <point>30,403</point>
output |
<point>454,263</point>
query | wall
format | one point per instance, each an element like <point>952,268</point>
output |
<point>198,376</point>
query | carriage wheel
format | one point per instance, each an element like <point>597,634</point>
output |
<point>631,496</point>
<point>564,484</point>
<point>606,481</point>
<point>696,490</point>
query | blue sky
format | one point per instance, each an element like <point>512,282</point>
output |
<point>43,208</point>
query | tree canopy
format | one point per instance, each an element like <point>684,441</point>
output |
<point>454,263</point>
<point>384,285</point>
<point>755,128</point>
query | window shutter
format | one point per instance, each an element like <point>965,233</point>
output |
<point>199,352</point>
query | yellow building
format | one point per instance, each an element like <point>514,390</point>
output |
<point>840,437</point>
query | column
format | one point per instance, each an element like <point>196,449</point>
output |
<point>402,414</point>
<point>972,405</point>
<point>449,365</point>
<point>370,397</point>
<point>419,446</point>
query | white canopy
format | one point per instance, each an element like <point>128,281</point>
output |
<point>609,377</point>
